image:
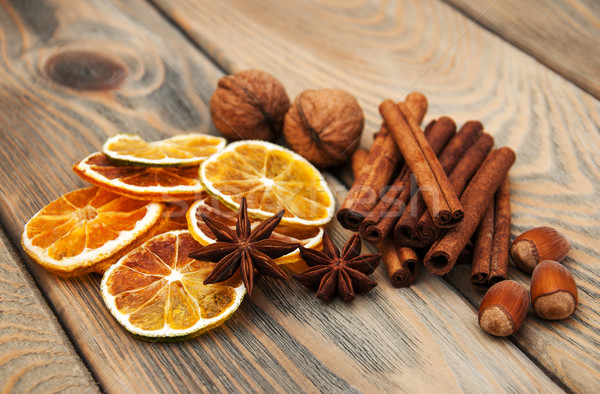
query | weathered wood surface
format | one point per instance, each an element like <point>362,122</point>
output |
<point>283,338</point>
<point>564,35</point>
<point>35,354</point>
<point>383,49</point>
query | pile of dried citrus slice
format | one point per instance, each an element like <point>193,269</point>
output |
<point>142,218</point>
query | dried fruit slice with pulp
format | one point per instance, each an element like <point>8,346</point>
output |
<point>309,237</point>
<point>180,150</point>
<point>172,218</point>
<point>78,231</point>
<point>142,183</point>
<point>271,178</point>
<point>157,291</point>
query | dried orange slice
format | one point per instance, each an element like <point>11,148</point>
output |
<point>180,150</point>
<point>142,183</point>
<point>173,218</point>
<point>271,178</point>
<point>76,232</point>
<point>157,291</point>
<point>309,237</point>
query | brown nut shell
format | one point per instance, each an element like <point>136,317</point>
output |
<point>249,104</point>
<point>553,291</point>
<point>324,126</point>
<point>538,244</point>
<point>503,308</point>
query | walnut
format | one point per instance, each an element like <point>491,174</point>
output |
<point>250,104</point>
<point>324,126</point>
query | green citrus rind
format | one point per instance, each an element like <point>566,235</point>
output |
<point>218,142</point>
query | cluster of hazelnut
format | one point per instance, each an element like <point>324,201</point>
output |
<point>553,292</point>
<point>322,125</point>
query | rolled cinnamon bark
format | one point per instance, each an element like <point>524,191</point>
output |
<point>482,258</point>
<point>460,176</point>
<point>402,264</point>
<point>443,254</point>
<point>382,218</point>
<point>359,158</point>
<point>466,256</point>
<point>378,170</point>
<point>490,264</point>
<point>435,187</point>
<point>501,244</point>
<point>405,231</point>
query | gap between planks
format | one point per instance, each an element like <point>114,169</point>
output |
<point>561,35</point>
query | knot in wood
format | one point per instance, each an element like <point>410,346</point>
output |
<point>85,70</point>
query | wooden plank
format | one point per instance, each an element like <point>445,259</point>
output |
<point>283,339</point>
<point>35,354</point>
<point>381,49</point>
<point>564,35</point>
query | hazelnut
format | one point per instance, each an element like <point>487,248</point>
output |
<point>250,104</point>
<point>553,291</point>
<point>324,126</point>
<point>538,244</point>
<point>503,308</point>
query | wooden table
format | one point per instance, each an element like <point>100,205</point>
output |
<point>528,70</point>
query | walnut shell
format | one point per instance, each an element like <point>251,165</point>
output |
<point>250,104</point>
<point>324,126</point>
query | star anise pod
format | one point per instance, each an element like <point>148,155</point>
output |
<point>245,249</point>
<point>332,273</point>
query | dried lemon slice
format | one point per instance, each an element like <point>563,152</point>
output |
<point>309,237</point>
<point>79,230</point>
<point>271,178</point>
<point>180,150</point>
<point>157,291</point>
<point>142,183</point>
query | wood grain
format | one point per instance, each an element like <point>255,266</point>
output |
<point>563,35</point>
<point>35,354</point>
<point>283,339</point>
<point>379,49</point>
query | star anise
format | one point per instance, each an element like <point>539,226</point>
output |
<point>245,249</point>
<point>333,274</point>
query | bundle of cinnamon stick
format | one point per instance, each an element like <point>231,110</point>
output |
<point>421,195</point>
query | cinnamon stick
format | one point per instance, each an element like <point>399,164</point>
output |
<point>482,258</point>
<point>501,244</point>
<point>490,264</point>
<point>382,218</point>
<point>435,187</point>
<point>401,263</point>
<point>443,254</point>
<point>466,256</point>
<point>378,170</point>
<point>427,232</point>
<point>405,232</point>
<point>359,158</point>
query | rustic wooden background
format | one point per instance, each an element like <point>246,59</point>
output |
<point>527,70</point>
